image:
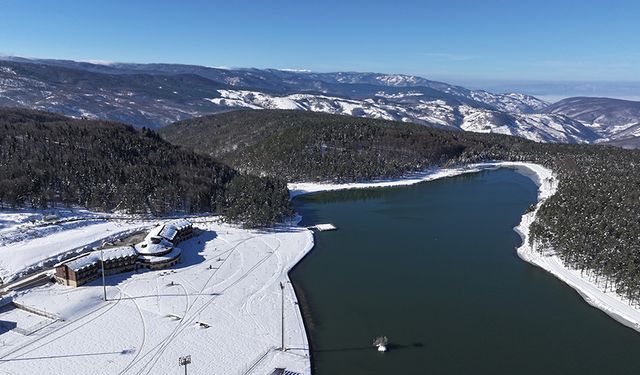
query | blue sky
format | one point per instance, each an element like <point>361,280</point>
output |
<point>457,41</point>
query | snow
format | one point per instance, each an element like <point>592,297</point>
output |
<point>295,70</point>
<point>536,127</point>
<point>399,95</point>
<point>410,107</point>
<point>254,100</point>
<point>28,242</point>
<point>6,69</point>
<point>95,256</point>
<point>596,295</point>
<point>171,229</point>
<point>296,189</point>
<point>148,247</point>
<point>221,305</point>
<point>100,62</point>
<point>514,103</point>
<point>398,80</point>
<point>324,227</point>
<point>173,253</point>
<point>25,321</point>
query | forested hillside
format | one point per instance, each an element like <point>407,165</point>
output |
<point>304,146</point>
<point>591,221</point>
<point>47,160</point>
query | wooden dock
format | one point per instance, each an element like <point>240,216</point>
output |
<point>323,227</point>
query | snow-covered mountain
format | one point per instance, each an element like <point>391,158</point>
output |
<point>611,119</point>
<point>413,107</point>
<point>139,99</point>
<point>154,95</point>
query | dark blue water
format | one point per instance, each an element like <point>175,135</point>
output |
<point>433,267</point>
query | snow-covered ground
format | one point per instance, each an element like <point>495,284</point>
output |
<point>301,188</point>
<point>29,238</point>
<point>594,294</point>
<point>229,281</point>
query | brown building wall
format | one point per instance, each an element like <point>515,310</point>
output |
<point>61,271</point>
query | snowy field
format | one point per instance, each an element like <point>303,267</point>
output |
<point>221,305</point>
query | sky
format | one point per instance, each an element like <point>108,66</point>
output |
<point>456,41</point>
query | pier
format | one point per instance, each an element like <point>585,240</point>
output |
<point>323,227</point>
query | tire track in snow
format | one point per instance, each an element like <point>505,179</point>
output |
<point>144,332</point>
<point>181,327</point>
<point>110,307</point>
<point>246,306</point>
<point>161,346</point>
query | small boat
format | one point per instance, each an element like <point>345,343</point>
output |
<point>381,342</point>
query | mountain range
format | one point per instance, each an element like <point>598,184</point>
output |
<point>154,95</point>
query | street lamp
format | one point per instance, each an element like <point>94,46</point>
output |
<point>104,284</point>
<point>282,309</point>
<point>184,361</point>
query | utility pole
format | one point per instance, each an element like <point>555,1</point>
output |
<point>282,309</point>
<point>104,284</point>
<point>184,361</point>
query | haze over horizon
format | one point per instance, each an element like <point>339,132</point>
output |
<point>545,49</point>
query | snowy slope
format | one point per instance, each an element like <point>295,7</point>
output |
<point>141,100</point>
<point>537,127</point>
<point>611,118</point>
<point>510,102</point>
<point>411,106</point>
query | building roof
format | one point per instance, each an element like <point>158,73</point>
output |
<point>180,224</point>
<point>155,232</point>
<point>173,254</point>
<point>169,230</point>
<point>148,247</point>
<point>88,260</point>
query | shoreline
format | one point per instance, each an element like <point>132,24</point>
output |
<point>608,302</point>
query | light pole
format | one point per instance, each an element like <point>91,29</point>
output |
<point>282,310</point>
<point>184,361</point>
<point>104,284</point>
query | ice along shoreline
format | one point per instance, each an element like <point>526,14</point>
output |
<point>595,295</point>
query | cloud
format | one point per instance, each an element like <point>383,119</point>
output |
<point>99,62</point>
<point>295,70</point>
<point>449,56</point>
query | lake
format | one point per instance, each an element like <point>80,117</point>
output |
<point>433,266</point>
